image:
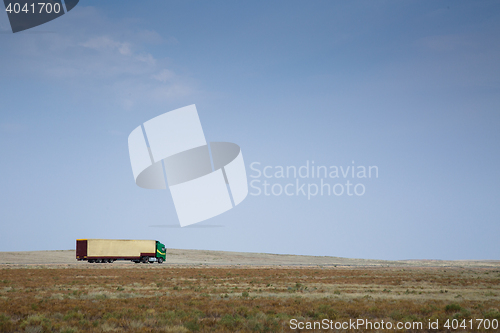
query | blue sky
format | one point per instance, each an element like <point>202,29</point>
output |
<point>412,87</point>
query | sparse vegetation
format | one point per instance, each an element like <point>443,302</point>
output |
<point>208,299</point>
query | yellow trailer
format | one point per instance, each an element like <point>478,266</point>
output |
<point>109,250</point>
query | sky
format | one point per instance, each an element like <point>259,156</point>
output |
<point>409,87</point>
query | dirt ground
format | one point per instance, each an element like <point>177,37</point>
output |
<point>213,291</point>
<point>69,298</point>
<point>202,257</point>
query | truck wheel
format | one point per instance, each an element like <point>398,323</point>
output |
<point>145,259</point>
<point>160,260</point>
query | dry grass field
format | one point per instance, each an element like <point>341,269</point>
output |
<point>64,297</point>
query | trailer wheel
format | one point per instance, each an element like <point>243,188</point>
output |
<point>160,260</point>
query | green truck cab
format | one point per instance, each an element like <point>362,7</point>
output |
<point>161,252</point>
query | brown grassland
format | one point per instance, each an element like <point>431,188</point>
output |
<point>166,298</point>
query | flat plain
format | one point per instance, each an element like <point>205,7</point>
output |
<point>212,291</point>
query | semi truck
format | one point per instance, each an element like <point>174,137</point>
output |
<point>109,250</point>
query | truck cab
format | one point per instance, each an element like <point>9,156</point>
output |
<point>161,252</point>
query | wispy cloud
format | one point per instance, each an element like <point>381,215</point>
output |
<point>12,128</point>
<point>107,58</point>
<point>104,43</point>
<point>448,43</point>
<point>164,76</point>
